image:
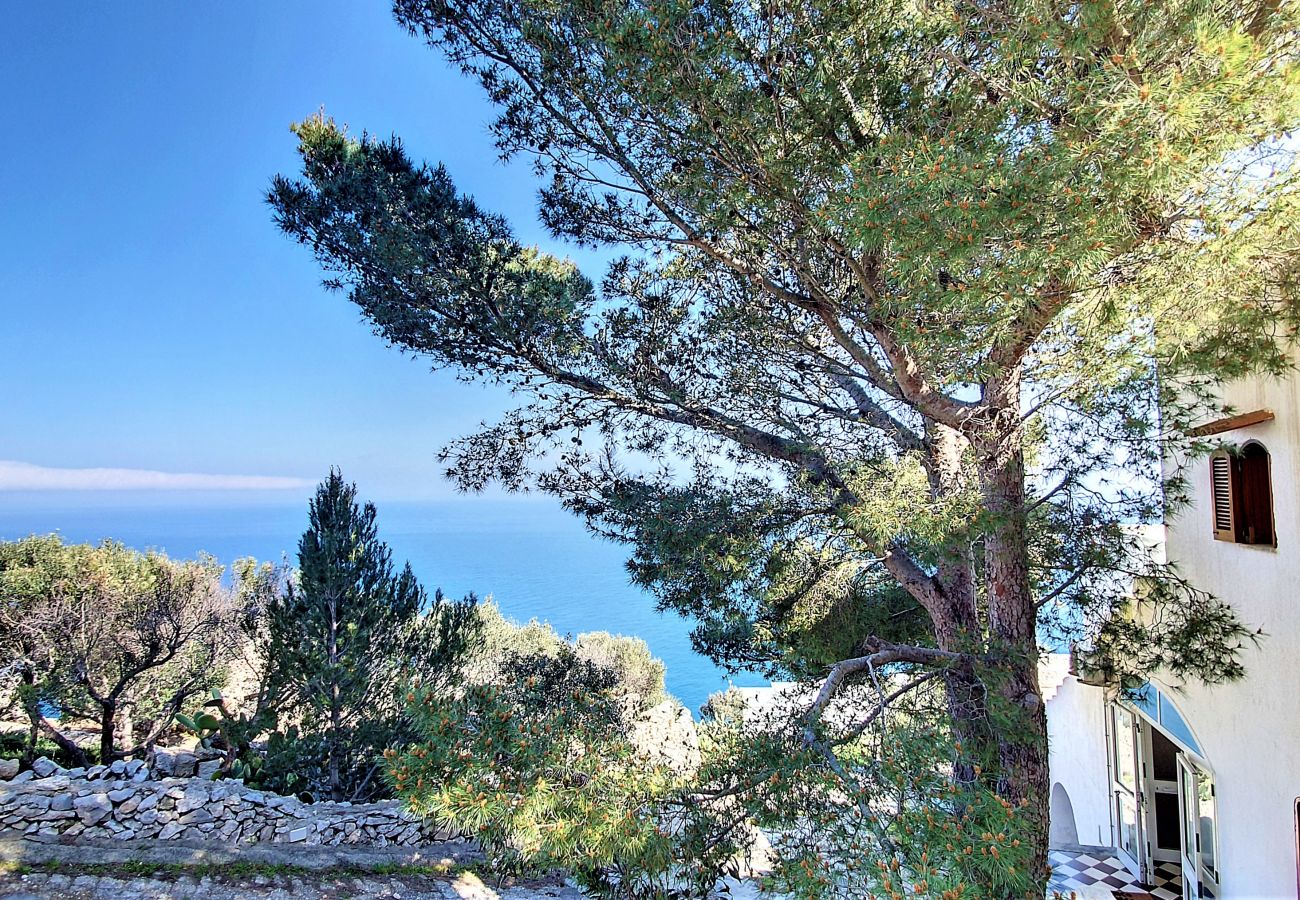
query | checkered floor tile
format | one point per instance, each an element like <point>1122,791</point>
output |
<point>1168,881</point>
<point>1083,871</point>
<point>1097,873</point>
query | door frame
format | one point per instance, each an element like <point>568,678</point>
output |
<point>1189,838</point>
<point>1145,723</point>
<point>1194,774</point>
<point>1156,788</point>
<point>1136,857</point>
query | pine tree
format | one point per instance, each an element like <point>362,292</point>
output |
<point>901,277</point>
<point>349,633</point>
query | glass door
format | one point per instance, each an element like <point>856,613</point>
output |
<point>1199,851</point>
<point>1189,854</point>
<point>1127,789</point>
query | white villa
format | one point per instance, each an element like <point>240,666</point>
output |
<point>1189,790</point>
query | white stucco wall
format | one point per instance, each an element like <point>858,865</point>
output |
<point>1250,731</point>
<point>1076,739</point>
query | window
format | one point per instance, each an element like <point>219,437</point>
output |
<point>1241,496</point>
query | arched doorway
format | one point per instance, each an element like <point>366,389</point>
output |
<point>1064,830</point>
<point>1163,795</point>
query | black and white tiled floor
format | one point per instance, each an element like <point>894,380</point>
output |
<point>1097,874</point>
<point>1168,881</point>
<point>1088,874</point>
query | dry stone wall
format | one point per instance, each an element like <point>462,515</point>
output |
<point>126,800</point>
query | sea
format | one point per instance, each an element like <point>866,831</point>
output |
<point>534,559</point>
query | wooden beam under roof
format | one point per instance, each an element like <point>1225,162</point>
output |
<point>1231,423</point>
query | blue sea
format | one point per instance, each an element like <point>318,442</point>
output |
<point>534,559</point>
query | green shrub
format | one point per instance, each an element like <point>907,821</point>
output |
<point>638,676</point>
<point>537,767</point>
<point>14,745</point>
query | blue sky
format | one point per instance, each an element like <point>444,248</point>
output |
<point>151,316</point>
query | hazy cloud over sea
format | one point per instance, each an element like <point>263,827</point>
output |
<point>21,476</point>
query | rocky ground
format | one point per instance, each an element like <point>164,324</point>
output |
<point>83,868</point>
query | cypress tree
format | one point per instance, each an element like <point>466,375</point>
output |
<point>349,632</point>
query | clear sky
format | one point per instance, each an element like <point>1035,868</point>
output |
<point>151,316</point>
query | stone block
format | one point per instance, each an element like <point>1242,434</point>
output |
<point>171,830</point>
<point>8,768</point>
<point>174,763</point>
<point>93,808</point>
<point>54,784</point>
<point>194,796</point>
<point>224,811</point>
<point>44,767</point>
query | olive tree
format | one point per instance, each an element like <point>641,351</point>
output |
<point>108,634</point>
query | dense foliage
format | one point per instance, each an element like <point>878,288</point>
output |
<point>638,677</point>
<point>881,816</point>
<point>343,640</point>
<point>875,393</point>
<point>109,635</point>
<point>539,767</point>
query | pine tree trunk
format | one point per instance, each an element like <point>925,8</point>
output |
<point>957,625</point>
<point>336,781</point>
<point>1023,777</point>
<point>958,630</point>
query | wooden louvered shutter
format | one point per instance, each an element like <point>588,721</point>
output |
<point>1223,497</point>
<point>1255,509</point>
